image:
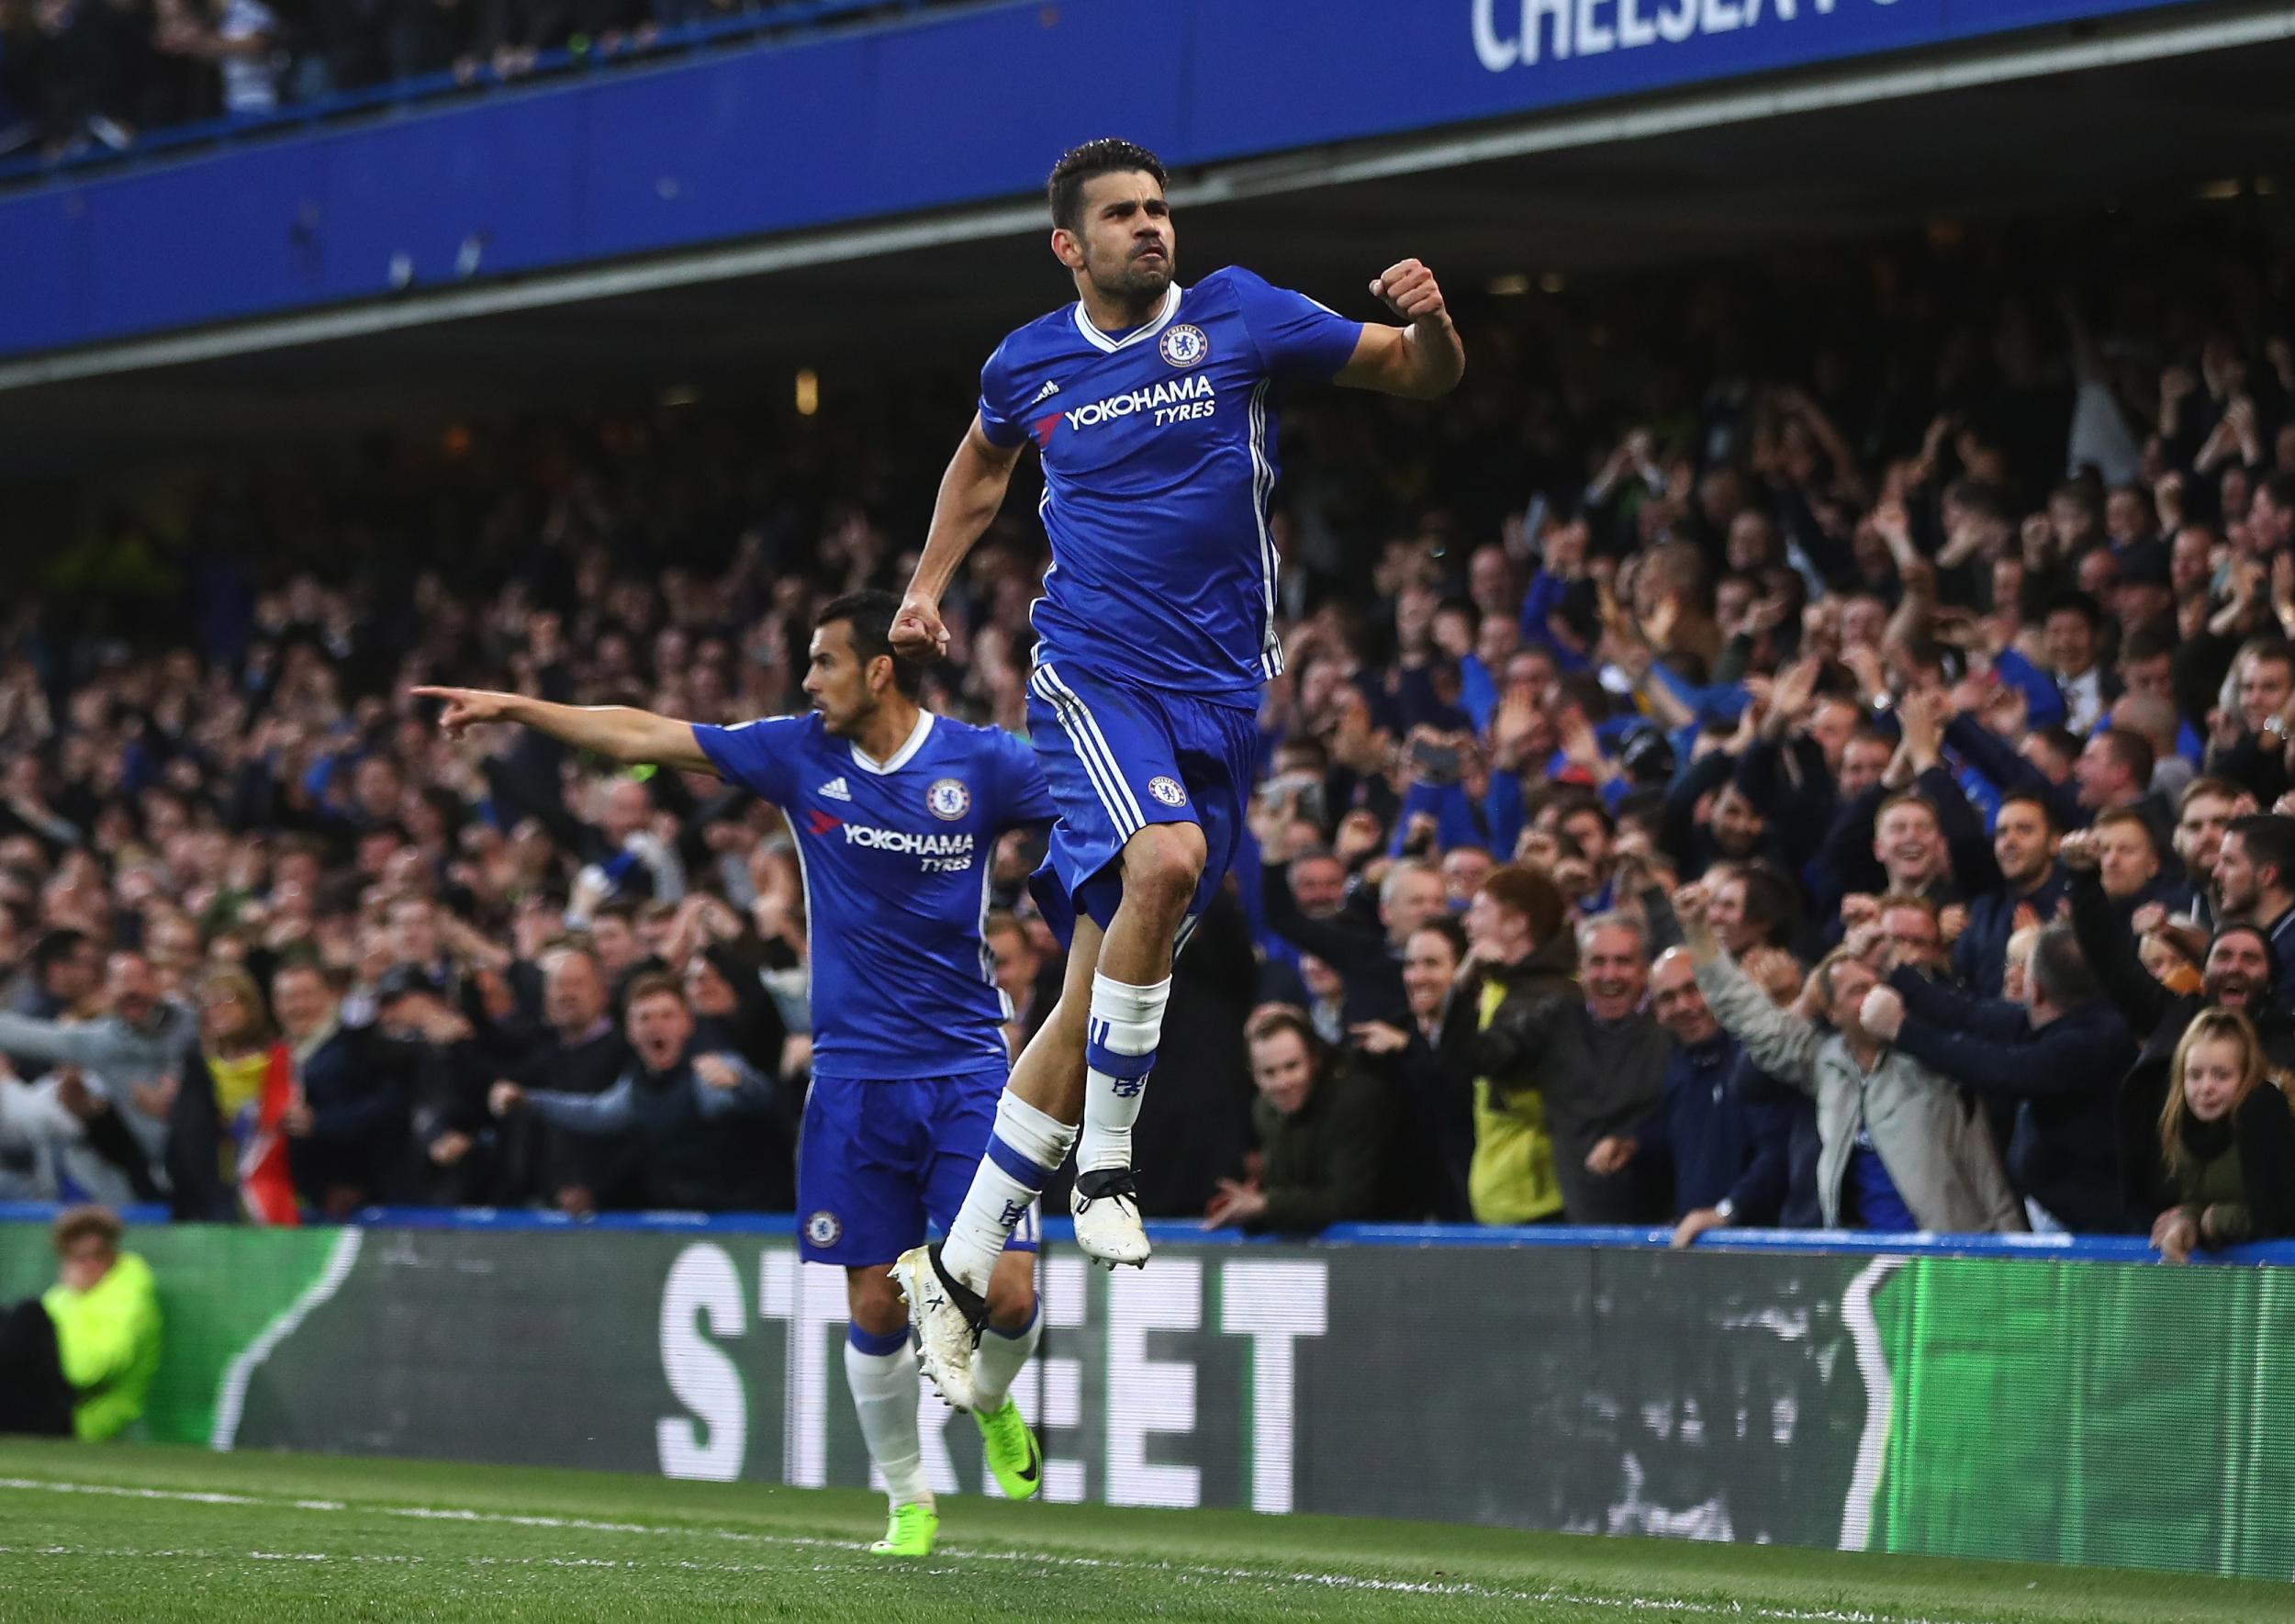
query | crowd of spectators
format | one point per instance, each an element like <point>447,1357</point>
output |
<point>1844,788</point>
<point>75,73</point>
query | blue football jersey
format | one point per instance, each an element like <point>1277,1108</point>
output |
<point>896,857</point>
<point>1159,471</point>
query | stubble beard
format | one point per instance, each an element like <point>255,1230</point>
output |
<point>1132,283</point>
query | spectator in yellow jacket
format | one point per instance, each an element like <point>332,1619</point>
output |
<point>77,1362</point>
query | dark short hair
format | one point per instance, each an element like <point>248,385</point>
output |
<point>2060,970</point>
<point>2274,649</point>
<point>2079,603</point>
<point>2061,741</point>
<point>1082,164</point>
<point>2034,798</point>
<point>651,983</point>
<point>1272,1020</point>
<point>1109,155</point>
<point>2269,840</point>
<point>2144,644</point>
<point>1578,806</point>
<point>867,617</point>
<point>56,946</point>
<point>1773,902</point>
<point>1450,930</point>
<point>2132,750</point>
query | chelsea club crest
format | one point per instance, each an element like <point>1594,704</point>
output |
<point>948,799</point>
<point>1183,346</point>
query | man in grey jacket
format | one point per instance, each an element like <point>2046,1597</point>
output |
<point>1902,1149</point>
<point>131,1055</point>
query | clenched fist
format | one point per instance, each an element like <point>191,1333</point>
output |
<point>917,631</point>
<point>1410,291</point>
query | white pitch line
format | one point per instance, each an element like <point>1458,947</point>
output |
<point>1329,1581</point>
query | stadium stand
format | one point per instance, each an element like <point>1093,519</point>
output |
<point>1723,607</point>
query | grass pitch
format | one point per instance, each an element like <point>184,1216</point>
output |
<point>163,1534</point>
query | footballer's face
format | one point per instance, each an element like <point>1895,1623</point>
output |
<point>1123,244</point>
<point>836,682</point>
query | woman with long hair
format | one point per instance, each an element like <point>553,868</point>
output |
<point>2227,1135</point>
<point>227,1155</point>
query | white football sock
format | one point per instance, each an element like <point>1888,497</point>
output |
<point>1126,1024</point>
<point>884,1392</point>
<point>999,1360</point>
<point>1023,1151</point>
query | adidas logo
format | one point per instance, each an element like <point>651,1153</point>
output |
<point>1045,393</point>
<point>835,790</point>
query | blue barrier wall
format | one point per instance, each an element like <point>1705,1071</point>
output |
<point>943,111</point>
<point>2093,1248</point>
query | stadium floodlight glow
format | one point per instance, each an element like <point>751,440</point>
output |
<point>1550,283</point>
<point>808,391</point>
<point>1512,285</point>
<point>2219,191</point>
<point>680,395</point>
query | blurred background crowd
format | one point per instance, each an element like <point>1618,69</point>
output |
<point>81,75</point>
<point>1798,745</point>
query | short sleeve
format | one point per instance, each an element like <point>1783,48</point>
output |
<point>1294,334</point>
<point>760,756</point>
<point>1023,796</point>
<point>1000,413</point>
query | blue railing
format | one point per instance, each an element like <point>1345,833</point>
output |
<point>2121,1248</point>
<point>775,17</point>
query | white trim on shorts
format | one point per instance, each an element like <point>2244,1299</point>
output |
<point>1092,749</point>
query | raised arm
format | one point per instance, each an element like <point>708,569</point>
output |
<point>622,733</point>
<point>970,492</point>
<point>1421,361</point>
<point>2109,945</point>
<point>1781,1043</point>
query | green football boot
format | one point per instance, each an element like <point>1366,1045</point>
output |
<point>909,1531</point>
<point>1012,1451</point>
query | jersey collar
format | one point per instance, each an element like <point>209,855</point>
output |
<point>914,743</point>
<point>1100,340</point>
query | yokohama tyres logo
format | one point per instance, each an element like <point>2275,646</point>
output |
<point>1172,400</point>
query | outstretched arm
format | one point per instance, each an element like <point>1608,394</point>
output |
<point>970,492</point>
<point>621,732</point>
<point>1421,361</point>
